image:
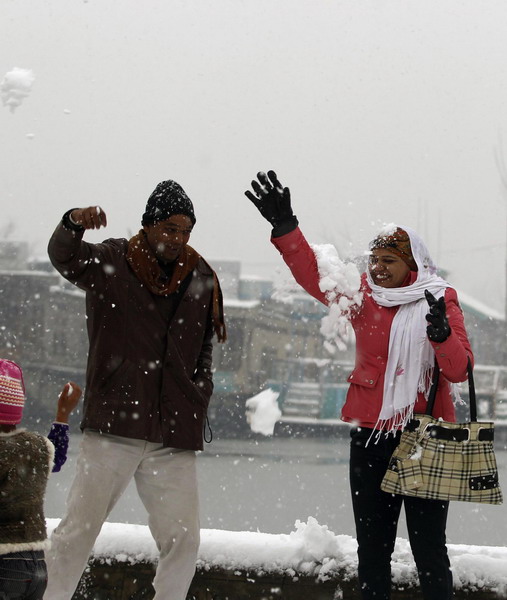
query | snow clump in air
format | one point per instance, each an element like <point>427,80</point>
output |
<point>263,412</point>
<point>387,229</point>
<point>16,86</point>
<point>340,281</point>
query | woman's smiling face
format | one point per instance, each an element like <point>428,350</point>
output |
<point>387,269</point>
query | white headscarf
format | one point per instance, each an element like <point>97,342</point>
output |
<point>411,358</point>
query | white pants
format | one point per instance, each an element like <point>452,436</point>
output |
<point>167,485</point>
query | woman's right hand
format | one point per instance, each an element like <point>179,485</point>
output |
<point>273,202</point>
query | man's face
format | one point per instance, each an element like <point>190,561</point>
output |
<point>167,238</point>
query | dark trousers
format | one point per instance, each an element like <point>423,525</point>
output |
<point>376,515</point>
<point>23,575</point>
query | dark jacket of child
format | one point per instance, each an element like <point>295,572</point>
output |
<point>26,459</point>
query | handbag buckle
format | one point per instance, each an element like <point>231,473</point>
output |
<point>485,434</point>
<point>437,431</point>
<point>469,431</point>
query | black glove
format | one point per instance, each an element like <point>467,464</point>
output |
<point>273,202</point>
<point>438,329</point>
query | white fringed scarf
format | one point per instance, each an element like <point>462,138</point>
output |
<point>411,358</point>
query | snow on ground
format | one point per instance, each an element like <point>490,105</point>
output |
<point>311,549</point>
<point>16,86</point>
<point>263,412</point>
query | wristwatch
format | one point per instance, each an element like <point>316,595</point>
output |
<point>68,223</point>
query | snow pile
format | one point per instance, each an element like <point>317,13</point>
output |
<point>16,86</point>
<point>340,282</point>
<point>311,550</point>
<point>263,412</point>
<point>479,568</point>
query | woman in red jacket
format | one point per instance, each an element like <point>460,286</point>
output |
<point>405,317</point>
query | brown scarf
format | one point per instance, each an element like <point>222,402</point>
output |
<point>145,265</point>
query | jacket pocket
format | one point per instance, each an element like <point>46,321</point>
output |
<point>365,377</point>
<point>193,391</point>
<point>204,388</point>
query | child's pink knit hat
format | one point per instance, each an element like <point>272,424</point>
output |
<point>12,392</point>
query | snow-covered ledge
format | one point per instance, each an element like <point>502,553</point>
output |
<point>310,551</point>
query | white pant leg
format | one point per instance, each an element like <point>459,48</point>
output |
<point>167,485</point>
<point>105,466</point>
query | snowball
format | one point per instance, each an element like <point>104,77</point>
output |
<point>263,412</point>
<point>341,282</point>
<point>16,86</point>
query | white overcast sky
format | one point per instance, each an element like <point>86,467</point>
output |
<point>370,111</point>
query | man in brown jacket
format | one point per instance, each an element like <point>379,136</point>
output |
<point>152,307</point>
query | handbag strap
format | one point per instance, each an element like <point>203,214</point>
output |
<point>471,391</point>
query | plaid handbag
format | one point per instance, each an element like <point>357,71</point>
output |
<point>439,460</point>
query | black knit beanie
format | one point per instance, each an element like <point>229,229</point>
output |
<point>167,199</point>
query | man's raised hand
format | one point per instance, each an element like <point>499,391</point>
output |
<point>91,217</point>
